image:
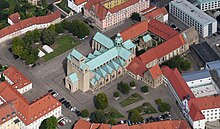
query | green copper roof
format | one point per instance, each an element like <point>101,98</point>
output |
<point>114,65</point>
<point>147,38</point>
<point>82,66</point>
<point>76,54</point>
<point>73,77</point>
<point>107,68</point>
<point>93,82</point>
<point>101,72</point>
<point>124,53</point>
<point>91,56</point>
<point>128,44</point>
<point>97,53</point>
<point>120,62</point>
<point>97,76</point>
<point>104,40</point>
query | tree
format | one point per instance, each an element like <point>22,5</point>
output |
<point>135,17</point>
<point>49,123</point>
<point>164,107</point>
<point>158,101</point>
<point>59,28</point>
<point>101,101</point>
<point>50,7</point>
<point>36,35</point>
<point>65,24</point>
<point>116,94</point>
<point>123,87</point>
<point>135,116</point>
<point>144,89</point>
<point>98,116</point>
<point>132,84</point>
<point>84,113</point>
<point>78,29</point>
<point>33,56</point>
<point>112,122</point>
<point>48,36</point>
<point>44,3</point>
<point>4,4</point>
<point>18,46</point>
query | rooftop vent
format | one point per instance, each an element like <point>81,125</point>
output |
<point>192,10</point>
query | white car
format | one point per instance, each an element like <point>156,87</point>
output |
<point>73,109</point>
<point>55,94</point>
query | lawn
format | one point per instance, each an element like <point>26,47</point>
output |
<point>112,113</point>
<point>132,99</point>
<point>145,108</point>
<point>62,44</point>
<point>63,6</point>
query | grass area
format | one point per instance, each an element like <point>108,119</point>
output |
<point>63,6</point>
<point>145,108</point>
<point>112,113</point>
<point>62,44</point>
<point>132,99</point>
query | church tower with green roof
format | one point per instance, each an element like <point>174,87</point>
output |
<point>118,40</point>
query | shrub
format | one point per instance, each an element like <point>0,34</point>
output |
<point>123,87</point>
<point>144,89</point>
<point>112,122</point>
<point>84,113</point>
<point>132,84</point>
<point>116,94</point>
<point>135,116</point>
<point>158,101</point>
<point>98,116</point>
<point>164,107</point>
<point>101,101</point>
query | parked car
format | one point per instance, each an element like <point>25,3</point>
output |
<point>15,57</point>
<point>50,90</point>
<point>55,94</point>
<point>78,113</point>
<point>62,99</point>
<point>64,102</point>
<point>157,118</point>
<point>73,109</point>
<point>161,118</point>
<point>168,113</point>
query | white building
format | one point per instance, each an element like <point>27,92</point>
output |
<point>29,24</point>
<point>197,110</point>
<point>208,4</point>
<point>192,16</point>
<point>76,5</point>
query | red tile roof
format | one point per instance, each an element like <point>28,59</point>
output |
<point>195,113</point>
<point>155,71</point>
<point>151,8</point>
<point>29,22</point>
<point>148,56</point>
<point>16,77</point>
<point>162,30</point>
<point>134,31</point>
<point>178,83</point>
<point>121,126</point>
<point>82,124</point>
<point>101,11</point>
<point>30,111</point>
<point>154,12</point>
<point>137,67</point>
<point>78,2</point>
<point>15,18</point>
<point>169,124</point>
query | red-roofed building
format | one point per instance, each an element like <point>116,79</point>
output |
<point>153,77</point>
<point>16,112</point>
<point>106,15</point>
<point>169,124</point>
<point>197,110</point>
<point>14,18</point>
<point>76,5</point>
<point>153,12</point>
<point>17,80</point>
<point>29,24</point>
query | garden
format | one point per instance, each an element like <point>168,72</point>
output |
<point>145,108</point>
<point>63,5</point>
<point>131,99</point>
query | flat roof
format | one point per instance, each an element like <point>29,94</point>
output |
<point>205,90</point>
<point>206,1</point>
<point>193,11</point>
<point>196,75</point>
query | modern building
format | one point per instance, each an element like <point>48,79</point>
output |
<point>169,124</point>
<point>105,64</point>
<point>16,112</point>
<point>154,12</point>
<point>14,18</point>
<point>198,110</point>
<point>192,16</point>
<point>29,24</point>
<point>205,5</point>
<point>108,13</point>
<point>17,80</point>
<point>77,5</point>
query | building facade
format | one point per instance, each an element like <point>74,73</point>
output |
<point>205,5</point>
<point>107,14</point>
<point>104,65</point>
<point>29,24</point>
<point>192,16</point>
<point>77,5</point>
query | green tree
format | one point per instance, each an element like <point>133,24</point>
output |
<point>28,38</point>
<point>98,116</point>
<point>164,107</point>
<point>84,113</point>
<point>101,101</point>
<point>123,87</point>
<point>144,89</point>
<point>112,122</point>
<point>18,46</point>
<point>36,35</point>
<point>48,36</point>
<point>49,123</point>
<point>44,3</point>
<point>135,116</point>
<point>59,28</point>
<point>135,17</point>
<point>158,101</point>
<point>4,4</point>
<point>78,29</point>
<point>50,7</point>
<point>132,84</point>
<point>33,56</point>
<point>116,94</point>
<point>65,24</point>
